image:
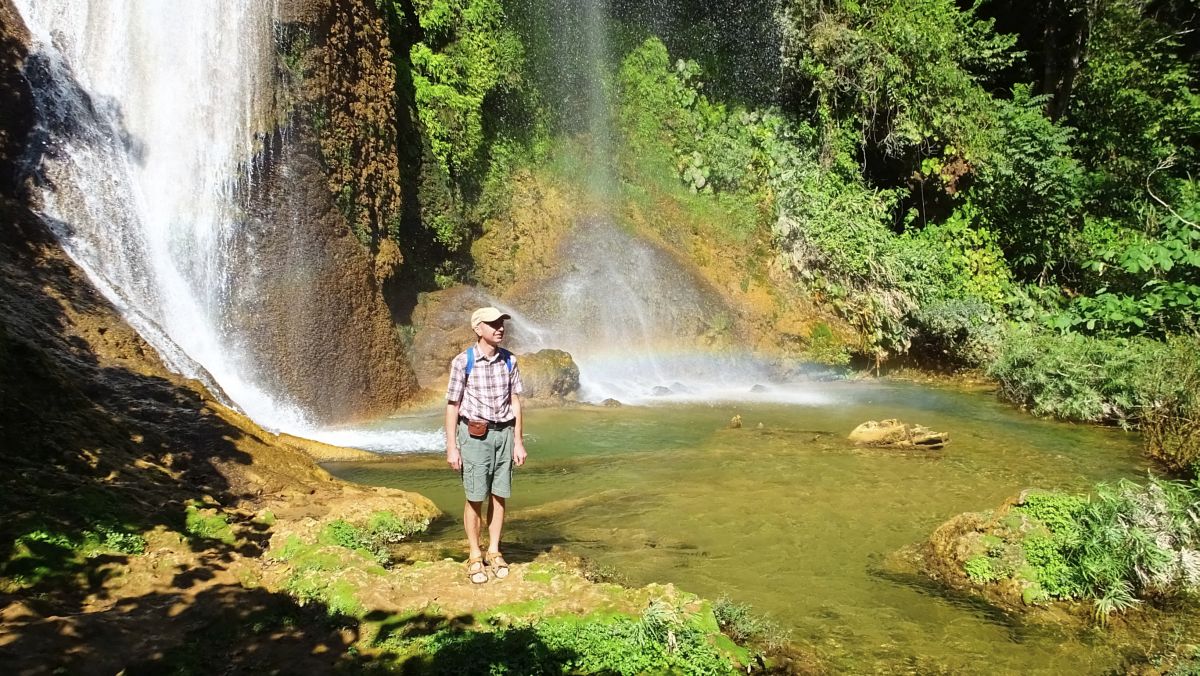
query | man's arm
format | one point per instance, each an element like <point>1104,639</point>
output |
<point>519,432</point>
<point>453,456</point>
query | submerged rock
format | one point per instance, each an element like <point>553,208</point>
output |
<point>735,422</point>
<point>611,403</point>
<point>896,434</point>
<point>660,391</point>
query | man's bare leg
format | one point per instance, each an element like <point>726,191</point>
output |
<point>495,523</point>
<point>471,522</point>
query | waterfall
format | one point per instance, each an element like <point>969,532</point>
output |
<point>150,113</point>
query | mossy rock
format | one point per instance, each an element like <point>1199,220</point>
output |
<point>548,374</point>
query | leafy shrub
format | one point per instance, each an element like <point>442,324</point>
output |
<point>969,261</point>
<point>662,641</point>
<point>1148,282</point>
<point>1074,377</point>
<point>962,332</point>
<point>1131,541</point>
<point>382,529</point>
<point>742,624</point>
<point>388,528</point>
<point>1170,406</point>
<point>466,54</point>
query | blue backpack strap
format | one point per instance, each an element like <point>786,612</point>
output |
<point>504,354</point>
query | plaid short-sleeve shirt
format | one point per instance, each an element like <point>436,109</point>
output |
<point>487,394</point>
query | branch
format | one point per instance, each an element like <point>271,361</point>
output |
<point>1166,164</point>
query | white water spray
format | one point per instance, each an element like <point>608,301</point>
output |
<point>150,113</point>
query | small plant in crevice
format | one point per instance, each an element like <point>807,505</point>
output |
<point>742,624</point>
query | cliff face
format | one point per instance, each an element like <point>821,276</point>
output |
<point>321,215</point>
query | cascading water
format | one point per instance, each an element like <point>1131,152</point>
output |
<point>149,115</point>
<point>639,324</point>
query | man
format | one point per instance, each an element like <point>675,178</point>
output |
<point>484,435</point>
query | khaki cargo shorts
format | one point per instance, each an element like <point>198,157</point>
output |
<point>487,464</point>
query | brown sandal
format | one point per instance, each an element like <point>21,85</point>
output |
<point>475,571</point>
<point>497,563</point>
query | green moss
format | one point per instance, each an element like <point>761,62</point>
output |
<point>540,573</point>
<point>208,524</point>
<point>508,612</point>
<point>339,597</point>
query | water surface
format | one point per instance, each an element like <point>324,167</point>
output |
<point>785,515</point>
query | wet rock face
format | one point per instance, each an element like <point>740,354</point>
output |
<point>315,319</point>
<point>548,374</point>
<point>16,99</point>
<point>316,250</point>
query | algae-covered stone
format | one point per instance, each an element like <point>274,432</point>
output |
<point>896,434</point>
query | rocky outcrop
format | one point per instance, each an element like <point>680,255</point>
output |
<point>16,100</point>
<point>441,331</point>
<point>340,81</point>
<point>317,245</point>
<point>892,433</point>
<point>321,331</point>
<point>548,374</point>
<point>519,246</point>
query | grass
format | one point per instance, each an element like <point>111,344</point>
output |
<point>661,640</point>
<point>45,554</point>
<point>742,624</point>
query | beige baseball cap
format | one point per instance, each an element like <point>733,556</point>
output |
<point>487,314</point>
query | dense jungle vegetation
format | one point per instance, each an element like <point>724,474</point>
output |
<point>1003,185</point>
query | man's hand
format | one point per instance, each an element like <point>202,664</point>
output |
<point>454,457</point>
<point>519,454</point>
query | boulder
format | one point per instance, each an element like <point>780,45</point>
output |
<point>895,434</point>
<point>441,329</point>
<point>548,374</point>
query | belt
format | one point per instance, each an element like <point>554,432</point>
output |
<point>492,425</point>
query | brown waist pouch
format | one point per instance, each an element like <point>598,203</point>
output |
<point>477,428</point>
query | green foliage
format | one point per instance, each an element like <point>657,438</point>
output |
<point>958,332</point>
<point>1136,107</point>
<point>1170,406</point>
<point>979,570</point>
<point>1074,377</point>
<point>739,622</point>
<point>1048,555</point>
<point>338,596</point>
<point>825,348</point>
<point>970,262</point>
<point>466,55</point>
<point>663,640</point>
<point>1058,511</point>
<point>382,528</point>
<point>1150,284</point>
<point>388,528</point>
<point>207,524</point>
<point>900,74</point>
<point>1029,191</point>
<point>1131,540</point>
<point>45,554</point>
